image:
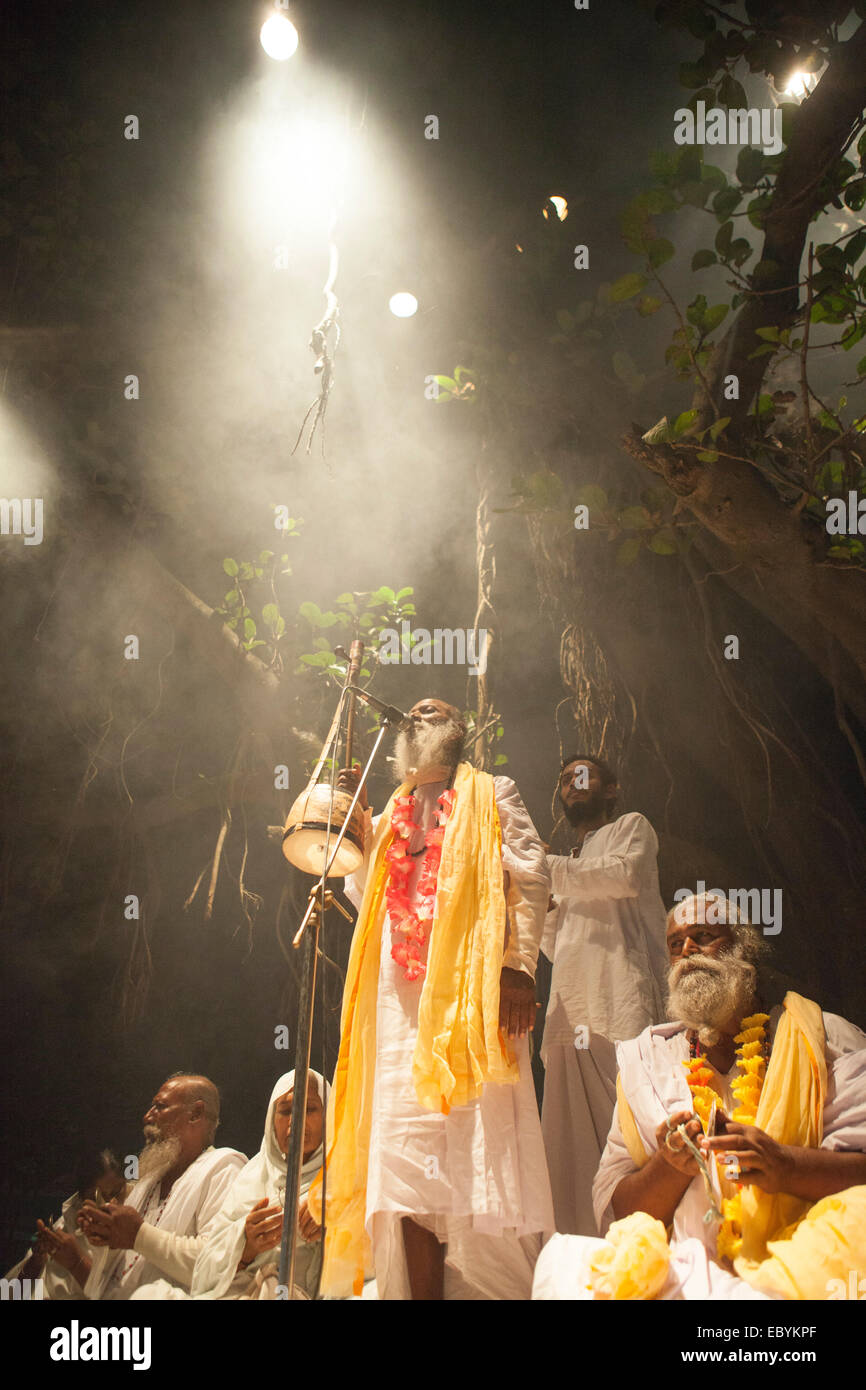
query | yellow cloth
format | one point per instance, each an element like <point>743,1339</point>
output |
<point>791,1111</point>
<point>628,1127</point>
<point>458,1047</point>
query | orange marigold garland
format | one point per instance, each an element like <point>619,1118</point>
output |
<point>746,1088</point>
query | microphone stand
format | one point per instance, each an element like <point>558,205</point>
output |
<point>307,941</point>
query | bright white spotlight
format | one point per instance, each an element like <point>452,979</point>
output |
<point>403,305</point>
<point>800,85</point>
<point>279,37</point>
<point>560,205</point>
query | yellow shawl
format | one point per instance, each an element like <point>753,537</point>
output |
<point>458,1048</point>
<point>791,1248</point>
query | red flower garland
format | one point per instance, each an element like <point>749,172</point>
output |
<point>410,926</point>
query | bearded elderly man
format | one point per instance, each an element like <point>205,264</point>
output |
<point>756,1118</point>
<point>436,1173</point>
<point>150,1244</point>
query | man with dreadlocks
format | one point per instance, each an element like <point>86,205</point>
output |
<point>436,1174</point>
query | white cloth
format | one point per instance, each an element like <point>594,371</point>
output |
<point>606,939</point>
<point>655,1085</point>
<point>216,1272</point>
<point>190,1209</point>
<point>477,1177</point>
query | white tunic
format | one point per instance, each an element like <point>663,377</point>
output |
<point>477,1177</point>
<point>172,1234</point>
<point>606,939</point>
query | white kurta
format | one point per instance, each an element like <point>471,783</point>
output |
<point>606,939</point>
<point>172,1234</point>
<point>657,1056</point>
<point>476,1177</point>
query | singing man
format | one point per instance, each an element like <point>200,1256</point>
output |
<point>436,1169</point>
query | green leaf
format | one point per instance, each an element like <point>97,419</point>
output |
<point>663,542</point>
<point>861,367</point>
<point>270,613</point>
<point>265,556</point>
<point>593,497</point>
<point>683,423</point>
<point>714,316</point>
<point>383,595</point>
<point>719,426</point>
<point>726,201</point>
<point>855,194</point>
<point>232,597</point>
<point>696,310</point>
<point>403,593</point>
<point>769,334</point>
<point>635,518</point>
<point>249,628</point>
<point>750,164</point>
<point>659,251</point>
<point>648,304</point>
<point>500,760</point>
<point>446,382</point>
<point>628,551</point>
<point>703,258</point>
<point>312,612</point>
<point>230,567</point>
<point>626,287</point>
<point>707,456</point>
<point>347,599</point>
<point>280,626</point>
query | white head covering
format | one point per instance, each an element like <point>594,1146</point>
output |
<point>263,1176</point>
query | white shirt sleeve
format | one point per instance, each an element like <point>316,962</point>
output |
<point>354,884</point>
<point>174,1254</point>
<point>617,874</point>
<point>524,857</point>
<point>616,1164</point>
<point>845,1102</point>
<point>552,923</point>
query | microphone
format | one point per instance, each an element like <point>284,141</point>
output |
<point>389,713</point>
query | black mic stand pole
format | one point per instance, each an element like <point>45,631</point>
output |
<point>307,941</point>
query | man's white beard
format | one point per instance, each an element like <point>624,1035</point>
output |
<point>427,745</point>
<point>705,991</point>
<point>158,1156</point>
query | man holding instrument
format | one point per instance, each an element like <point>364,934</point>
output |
<point>436,1175</point>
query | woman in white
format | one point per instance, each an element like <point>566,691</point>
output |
<point>241,1255</point>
